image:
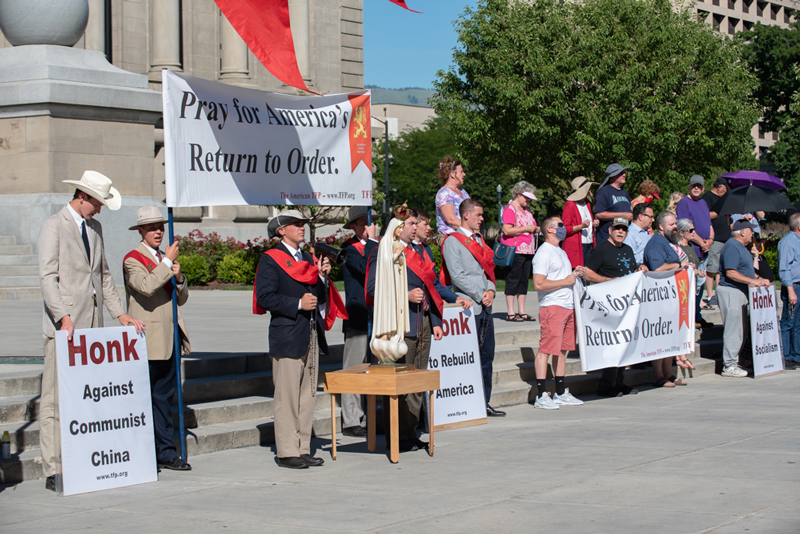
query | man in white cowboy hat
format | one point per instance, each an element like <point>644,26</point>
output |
<point>76,283</point>
<point>149,275</point>
<point>294,291</point>
<point>355,327</point>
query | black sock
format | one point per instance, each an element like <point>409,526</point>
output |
<point>560,385</point>
<point>540,386</point>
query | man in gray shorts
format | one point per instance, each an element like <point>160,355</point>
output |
<point>722,232</point>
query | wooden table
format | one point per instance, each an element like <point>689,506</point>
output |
<point>358,380</point>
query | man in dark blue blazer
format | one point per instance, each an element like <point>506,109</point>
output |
<point>356,342</point>
<point>294,291</point>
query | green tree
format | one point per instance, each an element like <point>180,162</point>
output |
<point>560,89</point>
<point>772,53</point>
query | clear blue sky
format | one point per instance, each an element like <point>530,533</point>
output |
<point>405,49</point>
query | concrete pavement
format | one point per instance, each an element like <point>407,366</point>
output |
<point>721,455</point>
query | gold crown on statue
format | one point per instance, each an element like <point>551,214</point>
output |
<point>402,212</point>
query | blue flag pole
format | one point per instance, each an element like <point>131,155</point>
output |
<point>176,334</point>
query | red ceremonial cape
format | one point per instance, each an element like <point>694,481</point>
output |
<point>479,251</point>
<point>305,273</point>
<point>423,268</point>
<point>149,264</point>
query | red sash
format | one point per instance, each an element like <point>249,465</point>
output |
<point>479,251</point>
<point>149,264</point>
<point>357,244</point>
<point>424,269</point>
<point>305,273</point>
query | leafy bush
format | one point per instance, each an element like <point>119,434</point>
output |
<point>238,268</point>
<point>195,268</point>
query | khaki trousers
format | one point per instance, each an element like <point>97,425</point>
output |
<point>49,422</point>
<point>293,404</point>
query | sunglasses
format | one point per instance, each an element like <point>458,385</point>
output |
<point>557,225</point>
<point>623,228</point>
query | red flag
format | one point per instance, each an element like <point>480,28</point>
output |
<point>264,27</point>
<point>402,3</point>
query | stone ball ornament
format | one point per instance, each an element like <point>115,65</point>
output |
<point>50,22</point>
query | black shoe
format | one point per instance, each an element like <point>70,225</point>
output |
<point>789,365</point>
<point>702,323</point>
<point>176,464</point>
<point>50,483</point>
<point>610,393</point>
<point>407,446</point>
<point>491,412</point>
<point>355,431</point>
<point>312,461</point>
<point>293,462</point>
<point>627,390</point>
<point>422,445</point>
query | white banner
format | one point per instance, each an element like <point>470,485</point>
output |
<point>106,414</point>
<point>459,400</point>
<point>635,319</point>
<point>765,331</point>
<point>231,146</point>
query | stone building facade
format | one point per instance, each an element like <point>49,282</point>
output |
<point>96,105</point>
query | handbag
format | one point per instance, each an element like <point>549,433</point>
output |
<point>504,254</point>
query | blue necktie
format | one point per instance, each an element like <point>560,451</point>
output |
<point>86,242</point>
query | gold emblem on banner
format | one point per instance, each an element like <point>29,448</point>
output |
<point>360,118</point>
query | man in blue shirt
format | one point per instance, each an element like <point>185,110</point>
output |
<point>638,236</point>
<point>736,273</point>
<point>789,273</point>
<point>612,200</point>
<point>660,254</point>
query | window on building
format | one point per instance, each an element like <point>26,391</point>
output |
<point>787,15</point>
<point>731,4</point>
<point>715,2</point>
<point>717,22</point>
<point>746,5</point>
<point>760,132</point>
<point>702,16</point>
<point>747,25</point>
<point>774,10</point>
<point>732,25</point>
<point>760,6</point>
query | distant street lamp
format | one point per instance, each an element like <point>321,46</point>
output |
<point>386,167</point>
<point>499,205</point>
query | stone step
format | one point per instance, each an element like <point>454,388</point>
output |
<point>19,281</point>
<point>250,433</point>
<point>23,466</point>
<point>7,240</point>
<point>24,436</point>
<point>207,364</point>
<point>19,409</point>
<point>13,384</point>
<point>15,259</point>
<point>240,409</point>
<point>15,250</point>
<point>19,270</point>
<point>21,293</point>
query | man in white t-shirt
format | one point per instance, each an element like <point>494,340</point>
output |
<point>553,280</point>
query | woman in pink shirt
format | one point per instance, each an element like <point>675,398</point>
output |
<point>519,227</point>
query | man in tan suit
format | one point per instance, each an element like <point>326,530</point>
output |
<point>75,283</point>
<point>149,276</point>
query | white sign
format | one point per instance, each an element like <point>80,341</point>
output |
<point>635,319</point>
<point>459,401</point>
<point>765,331</point>
<point>106,414</point>
<point>231,146</point>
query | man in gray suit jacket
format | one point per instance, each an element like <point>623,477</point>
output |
<point>75,282</point>
<point>468,261</point>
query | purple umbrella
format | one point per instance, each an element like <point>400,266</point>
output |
<point>758,178</point>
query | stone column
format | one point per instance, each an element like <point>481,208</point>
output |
<point>298,18</point>
<point>165,31</point>
<point>233,56</point>
<point>96,29</point>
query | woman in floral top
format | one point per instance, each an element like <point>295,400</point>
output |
<point>519,227</point>
<point>450,196</point>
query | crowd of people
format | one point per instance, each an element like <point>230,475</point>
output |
<point>615,237</point>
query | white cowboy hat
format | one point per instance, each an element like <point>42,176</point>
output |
<point>147,215</point>
<point>98,186</point>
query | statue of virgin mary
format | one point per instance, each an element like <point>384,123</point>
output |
<point>390,321</point>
